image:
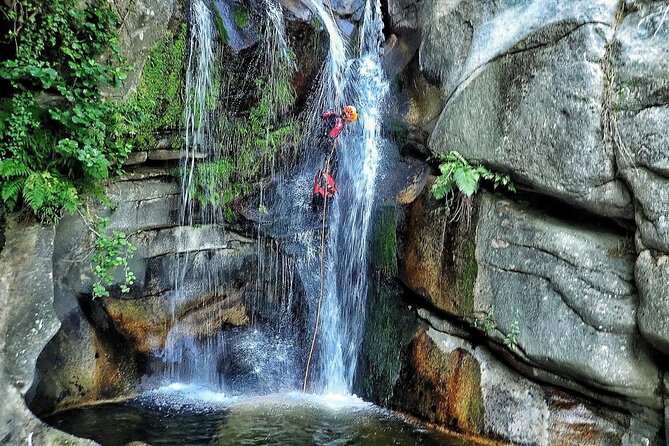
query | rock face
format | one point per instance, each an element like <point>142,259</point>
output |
<point>104,345</point>
<point>446,379</point>
<point>641,99</point>
<point>27,323</point>
<point>652,272</point>
<point>570,99</point>
<point>143,24</point>
<point>437,260</point>
<point>570,291</point>
<point>529,99</point>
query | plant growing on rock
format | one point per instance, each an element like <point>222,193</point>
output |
<point>457,175</point>
<point>487,323</point>
<point>511,338</point>
<point>59,136</point>
<point>111,253</point>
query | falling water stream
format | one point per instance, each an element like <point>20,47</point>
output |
<point>343,315</point>
<point>195,405</point>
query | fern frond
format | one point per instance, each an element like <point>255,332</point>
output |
<point>12,167</point>
<point>10,192</point>
<point>34,191</point>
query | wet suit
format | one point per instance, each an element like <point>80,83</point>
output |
<point>324,184</point>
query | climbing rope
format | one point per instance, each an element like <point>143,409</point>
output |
<point>320,297</point>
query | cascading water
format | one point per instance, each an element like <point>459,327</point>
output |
<point>357,81</point>
<point>187,357</point>
<point>343,313</point>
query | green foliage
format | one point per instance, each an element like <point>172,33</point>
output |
<point>511,338</point>
<point>157,102</point>
<point>252,142</point>
<point>112,252</point>
<point>457,173</point>
<point>487,323</point>
<point>241,16</point>
<point>59,137</point>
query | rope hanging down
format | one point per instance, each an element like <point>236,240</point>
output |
<point>320,298</point>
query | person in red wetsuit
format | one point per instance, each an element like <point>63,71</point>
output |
<point>324,184</point>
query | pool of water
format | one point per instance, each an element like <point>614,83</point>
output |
<point>182,415</point>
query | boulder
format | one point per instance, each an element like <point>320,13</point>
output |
<point>527,99</point>
<point>436,255</point>
<point>652,274</point>
<point>564,294</point>
<point>641,101</point>
<point>27,323</point>
<point>451,382</point>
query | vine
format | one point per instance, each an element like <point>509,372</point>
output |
<point>112,251</point>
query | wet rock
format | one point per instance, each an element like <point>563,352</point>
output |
<point>423,104</point>
<point>527,99</point>
<point>347,8</point>
<point>86,361</point>
<point>390,326</point>
<point>640,99</point>
<point>407,182</point>
<point>491,398</point>
<point>565,293</point>
<point>398,52</point>
<point>652,274</point>
<point>444,389</point>
<point>240,34</point>
<point>143,24</point>
<point>437,254</point>
<point>297,9</point>
<point>27,323</point>
<point>404,15</point>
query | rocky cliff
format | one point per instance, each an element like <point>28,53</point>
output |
<point>538,318</point>
<point>552,299</point>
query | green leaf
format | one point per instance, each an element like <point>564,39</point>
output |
<point>467,181</point>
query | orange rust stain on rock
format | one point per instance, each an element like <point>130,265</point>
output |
<point>575,422</point>
<point>440,388</point>
<point>433,254</point>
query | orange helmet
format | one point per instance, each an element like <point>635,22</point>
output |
<point>350,114</point>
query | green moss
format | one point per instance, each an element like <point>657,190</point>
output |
<point>157,103</point>
<point>220,26</point>
<point>384,245</point>
<point>254,141</point>
<point>241,16</point>
<point>389,329</point>
<point>467,273</point>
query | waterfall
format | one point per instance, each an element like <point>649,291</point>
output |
<point>198,138</point>
<point>271,352</point>
<point>195,274</point>
<point>360,150</point>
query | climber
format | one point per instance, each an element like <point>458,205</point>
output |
<point>324,188</point>
<point>335,122</point>
<point>324,183</point>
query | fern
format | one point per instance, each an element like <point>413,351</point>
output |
<point>13,167</point>
<point>457,173</point>
<point>10,192</point>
